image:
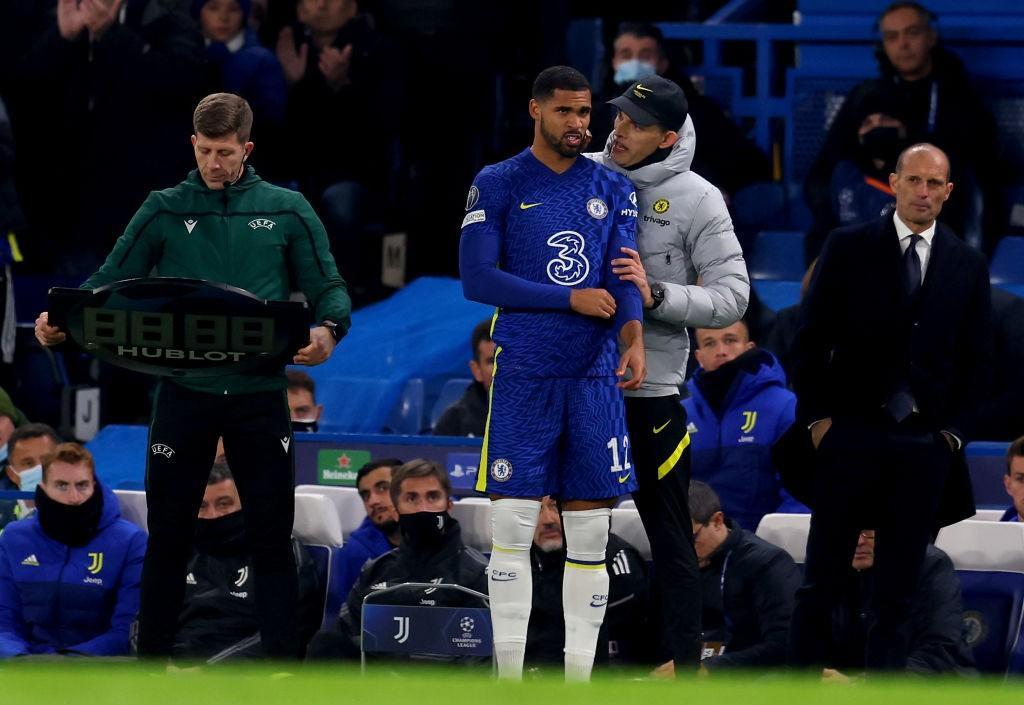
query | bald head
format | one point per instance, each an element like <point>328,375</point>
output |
<point>929,150</point>
<point>921,184</point>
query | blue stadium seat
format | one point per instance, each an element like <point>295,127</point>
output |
<point>407,415</point>
<point>758,207</point>
<point>450,393</point>
<point>1007,265</point>
<point>41,378</point>
<point>992,618</point>
<point>778,255</point>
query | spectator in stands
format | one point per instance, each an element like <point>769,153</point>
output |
<point>624,636</point>
<point>431,550</point>
<point>27,447</point>
<point>748,586</point>
<point>378,533</point>
<point>936,637</point>
<point>115,79</point>
<point>859,188</point>
<point>305,412</point>
<point>937,104</point>
<point>12,219</point>
<point>468,416</point>
<point>10,419</point>
<point>726,157</point>
<point>70,573</point>
<point>342,76</point>
<point>239,63</point>
<point>1013,481</point>
<point>218,620</point>
<point>738,407</point>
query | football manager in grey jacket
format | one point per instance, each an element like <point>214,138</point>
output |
<point>684,236</point>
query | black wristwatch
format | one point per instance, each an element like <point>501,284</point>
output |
<point>657,294</point>
<point>336,332</point>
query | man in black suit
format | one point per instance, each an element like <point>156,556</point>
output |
<point>890,364</point>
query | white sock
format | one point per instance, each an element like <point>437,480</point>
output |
<point>510,581</point>
<point>584,588</point>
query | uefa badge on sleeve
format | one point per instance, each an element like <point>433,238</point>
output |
<point>501,470</point>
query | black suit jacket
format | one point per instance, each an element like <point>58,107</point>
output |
<point>861,336</point>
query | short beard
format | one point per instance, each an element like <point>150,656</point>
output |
<point>550,546</point>
<point>556,143</point>
<point>389,527</point>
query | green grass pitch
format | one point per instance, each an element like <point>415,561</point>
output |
<point>92,683</point>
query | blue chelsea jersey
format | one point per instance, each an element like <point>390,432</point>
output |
<point>556,231</point>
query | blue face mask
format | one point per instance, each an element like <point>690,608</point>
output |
<point>633,70</point>
<point>30,478</point>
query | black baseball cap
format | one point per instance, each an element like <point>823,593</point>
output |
<point>654,101</point>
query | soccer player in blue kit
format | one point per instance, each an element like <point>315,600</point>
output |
<point>538,238</point>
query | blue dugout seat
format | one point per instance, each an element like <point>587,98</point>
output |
<point>407,415</point>
<point>778,255</point>
<point>1007,266</point>
<point>451,392</point>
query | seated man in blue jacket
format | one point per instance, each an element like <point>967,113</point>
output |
<point>377,535</point>
<point>1013,480</point>
<point>70,572</point>
<point>738,407</point>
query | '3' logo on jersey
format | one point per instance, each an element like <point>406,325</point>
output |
<point>570,266</point>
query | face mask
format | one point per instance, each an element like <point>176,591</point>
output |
<point>310,426</point>
<point>883,143</point>
<point>220,536</point>
<point>633,70</point>
<point>71,525</point>
<point>424,531</point>
<point>30,478</point>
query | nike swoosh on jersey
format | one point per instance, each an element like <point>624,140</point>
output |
<point>624,478</point>
<point>523,206</point>
<point>661,428</point>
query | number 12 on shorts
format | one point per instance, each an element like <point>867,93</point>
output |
<point>613,446</point>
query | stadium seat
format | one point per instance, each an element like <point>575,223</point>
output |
<point>1007,266</point>
<point>627,526</point>
<point>759,206</point>
<point>133,507</point>
<point>347,504</point>
<point>778,255</point>
<point>989,558</point>
<point>788,532</point>
<point>450,393</point>
<point>407,415</point>
<point>316,521</point>
<point>396,622</point>
<point>474,516</point>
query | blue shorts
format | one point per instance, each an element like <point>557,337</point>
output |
<point>560,437</point>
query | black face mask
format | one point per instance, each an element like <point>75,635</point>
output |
<point>70,525</point>
<point>883,143</point>
<point>424,531</point>
<point>221,536</point>
<point>305,426</point>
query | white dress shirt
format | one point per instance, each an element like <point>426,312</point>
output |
<point>924,245</point>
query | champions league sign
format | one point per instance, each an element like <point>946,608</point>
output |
<point>180,327</point>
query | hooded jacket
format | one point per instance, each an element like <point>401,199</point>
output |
<point>731,436</point>
<point>683,231</point>
<point>70,600</point>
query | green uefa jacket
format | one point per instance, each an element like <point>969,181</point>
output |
<point>253,235</point>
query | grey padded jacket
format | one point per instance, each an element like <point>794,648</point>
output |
<point>683,231</point>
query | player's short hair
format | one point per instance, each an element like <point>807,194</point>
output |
<point>1016,450</point>
<point>376,465</point>
<point>643,30</point>
<point>481,333</point>
<point>70,453</point>
<point>297,379</point>
<point>704,503</point>
<point>558,78</point>
<point>222,115</point>
<point>420,467</point>
<point>27,432</point>
<point>220,472</point>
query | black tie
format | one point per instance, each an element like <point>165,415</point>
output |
<point>912,266</point>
